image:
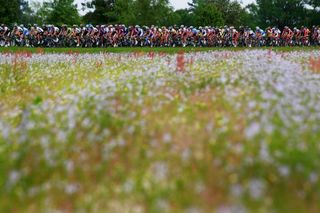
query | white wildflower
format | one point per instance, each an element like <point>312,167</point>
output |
<point>252,130</point>
<point>167,138</point>
<point>256,188</point>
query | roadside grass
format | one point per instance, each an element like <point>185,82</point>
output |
<point>169,50</point>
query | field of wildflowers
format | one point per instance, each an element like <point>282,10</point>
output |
<point>225,131</point>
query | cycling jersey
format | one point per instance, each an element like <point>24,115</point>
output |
<point>39,30</point>
<point>25,31</point>
<point>140,32</point>
<point>56,29</point>
<point>261,32</point>
<point>306,32</point>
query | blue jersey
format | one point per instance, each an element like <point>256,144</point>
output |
<point>25,31</point>
<point>261,32</point>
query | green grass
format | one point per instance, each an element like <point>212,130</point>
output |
<point>145,49</point>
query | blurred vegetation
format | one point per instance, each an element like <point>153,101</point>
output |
<point>285,12</point>
<point>128,133</point>
<point>171,50</point>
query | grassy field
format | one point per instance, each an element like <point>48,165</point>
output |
<point>145,49</point>
<point>218,131</point>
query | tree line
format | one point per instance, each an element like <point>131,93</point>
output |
<point>159,12</point>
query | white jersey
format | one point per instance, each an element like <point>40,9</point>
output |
<point>39,29</point>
